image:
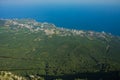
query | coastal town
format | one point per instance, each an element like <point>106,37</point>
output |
<point>50,29</point>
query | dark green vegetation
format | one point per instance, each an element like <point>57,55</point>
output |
<point>24,51</point>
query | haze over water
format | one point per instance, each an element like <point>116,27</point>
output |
<point>96,16</point>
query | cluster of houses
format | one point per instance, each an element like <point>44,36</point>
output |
<point>51,29</point>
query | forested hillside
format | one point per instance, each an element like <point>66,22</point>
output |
<point>29,47</point>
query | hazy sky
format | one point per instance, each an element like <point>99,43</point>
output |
<point>67,2</point>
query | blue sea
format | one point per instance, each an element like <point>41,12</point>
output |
<point>95,18</point>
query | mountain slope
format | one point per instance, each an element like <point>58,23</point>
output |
<point>27,46</point>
